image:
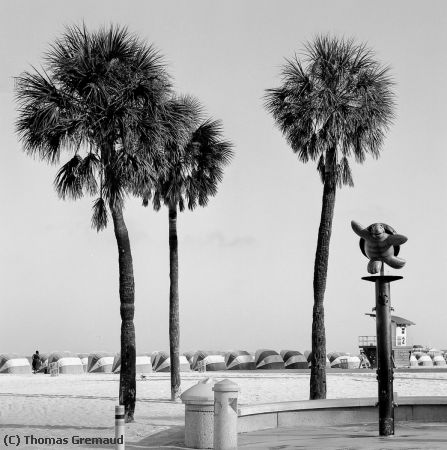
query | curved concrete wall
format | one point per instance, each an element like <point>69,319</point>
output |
<point>337,412</point>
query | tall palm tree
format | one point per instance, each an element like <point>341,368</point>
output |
<point>98,98</point>
<point>195,162</point>
<point>334,104</point>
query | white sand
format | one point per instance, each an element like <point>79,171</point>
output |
<point>83,405</point>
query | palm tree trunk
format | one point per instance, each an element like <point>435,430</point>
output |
<point>318,359</point>
<point>174,321</point>
<point>127,389</point>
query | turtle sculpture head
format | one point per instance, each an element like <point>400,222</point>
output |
<point>381,244</point>
<point>377,231</point>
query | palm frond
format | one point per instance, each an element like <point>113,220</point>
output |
<point>100,214</point>
<point>177,117</point>
<point>156,200</point>
<point>88,170</point>
<point>69,181</point>
<point>343,173</point>
<point>48,118</point>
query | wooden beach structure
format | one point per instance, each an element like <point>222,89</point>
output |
<point>401,350</point>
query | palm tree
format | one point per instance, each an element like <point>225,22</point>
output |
<point>336,103</point>
<point>195,162</point>
<point>98,98</point>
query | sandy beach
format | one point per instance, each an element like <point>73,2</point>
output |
<point>83,405</point>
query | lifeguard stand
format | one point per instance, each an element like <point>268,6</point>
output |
<point>400,348</point>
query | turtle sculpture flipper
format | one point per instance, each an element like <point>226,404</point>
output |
<point>394,262</point>
<point>381,244</point>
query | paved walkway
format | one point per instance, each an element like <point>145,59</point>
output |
<point>409,436</point>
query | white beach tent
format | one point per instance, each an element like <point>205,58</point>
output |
<point>239,360</point>
<point>209,360</point>
<point>116,366</point>
<point>331,356</point>
<point>13,363</point>
<point>293,359</point>
<point>268,359</point>
<point>413,361</point>
<point>84,359</point>
<point>162,363</point>
<point>346,362</point>
<point>438,360</point>
<point>67,362</point>
<point>100,362</point>
<point>189,356</point>
<point>142,363</point>
<point>425,360</point>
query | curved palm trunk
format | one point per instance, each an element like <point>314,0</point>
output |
<point>318,360</point>
<point>174,321</point>
<point>127,389</point>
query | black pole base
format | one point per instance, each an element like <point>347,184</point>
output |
<point>386,427</point>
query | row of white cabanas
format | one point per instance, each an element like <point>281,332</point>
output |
<point>102,362</point>
<point>71,363</point>
<point>427,359</point>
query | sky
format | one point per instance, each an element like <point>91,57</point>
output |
<point>246,260</point>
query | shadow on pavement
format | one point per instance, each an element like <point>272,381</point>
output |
<point>171,438</point>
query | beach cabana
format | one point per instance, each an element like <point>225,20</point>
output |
<point>239,360</point>
<point>189,356</point>
<point>13,363</point>
<point>425,360</point>
<point>84,359</point>
<point>438,360</point>
<point>116,366</point>
<point>331,356</point>
<point>161,362</point>
<point>293,359</point>
<point>67,362</point>
<point>100,362</point>
<point>346,362</point>
<point>209,360</point>
<point>142,363</point>
<point>268,359</point>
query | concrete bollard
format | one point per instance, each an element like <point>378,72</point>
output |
<point>225,415</point>
<point>199,410</point>
<point>120,428</point>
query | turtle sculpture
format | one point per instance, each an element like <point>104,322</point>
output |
<point>381,244</point>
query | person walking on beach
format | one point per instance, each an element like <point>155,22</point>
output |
<point>36,361</point>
